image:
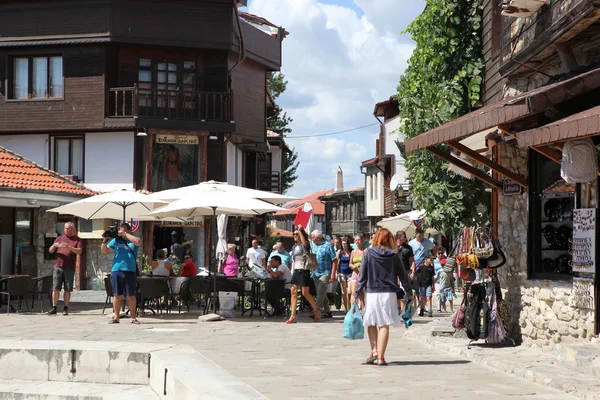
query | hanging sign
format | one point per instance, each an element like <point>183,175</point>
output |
<point>510,188</point>
<point>134,225</point>
<point>183,224</point>
<point>177,139</point>
<point>583,293</point>
<point>583,244</point>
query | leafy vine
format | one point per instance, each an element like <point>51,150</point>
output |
<point>443,81</point>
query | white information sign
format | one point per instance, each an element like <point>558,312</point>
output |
<point>583,293</point>
<point>583,245</point>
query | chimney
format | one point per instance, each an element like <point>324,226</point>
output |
<point>339,182</point>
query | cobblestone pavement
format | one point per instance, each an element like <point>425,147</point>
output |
<point>300,361</point>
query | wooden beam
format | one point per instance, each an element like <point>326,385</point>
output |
<point>552,154</point>
<point>468,168</point>
<point>488,163</point>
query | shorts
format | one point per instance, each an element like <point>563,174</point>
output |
<point>354,277</point>
<point>301,277</point>
<point>63,277</point>
<point>446,294</point>
<point>344,277</point>
<point>124,283</point>
<point>425,291</point>
<point>400,294</point>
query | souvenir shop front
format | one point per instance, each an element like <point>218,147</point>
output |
<point>544,188</point>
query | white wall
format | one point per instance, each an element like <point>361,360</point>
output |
<point>374,193</point>
<point>33,147</point>
<point>392,133</point>
<point>109,161</point>
<point>276,161</point>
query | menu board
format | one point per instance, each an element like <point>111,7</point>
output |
<point>583,293</point>
<point>583,246</point>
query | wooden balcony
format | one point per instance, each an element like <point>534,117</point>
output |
<point>270,182</point>
<point>183,105</point>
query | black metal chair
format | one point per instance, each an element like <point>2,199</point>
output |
<point>15,287</point>
<point>109,292</point>
<point>275,291</point>
<point>179,287</point>
<point>195,288</point>
<point>40,286</point>
<point>153,289</point>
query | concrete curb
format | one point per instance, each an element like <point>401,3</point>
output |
<point>521,361</point>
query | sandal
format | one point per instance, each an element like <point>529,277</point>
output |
<point>135,321</point>
<point>372,358</point>
<point>113,321</point>
<point>292,319</point>
<point>381,362</point>
<point>316,315</point>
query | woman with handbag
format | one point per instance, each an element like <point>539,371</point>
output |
<point>301,275</point>
<point>380,271</point>
<point>355,260</point>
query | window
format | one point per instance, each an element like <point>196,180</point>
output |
<point>37,78</point>
<point>68,156</point>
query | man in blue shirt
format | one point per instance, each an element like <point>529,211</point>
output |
<point>286,259</point>
<point>420,246</point>
<point>327,270</point>
<point>123,276</point>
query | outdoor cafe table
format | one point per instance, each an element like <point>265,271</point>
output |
<point>255,297</point>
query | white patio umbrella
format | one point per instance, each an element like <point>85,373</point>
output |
<point>214,202</point>
<point>405,222</point>
<point>180,193</point>
<point>121,204</point>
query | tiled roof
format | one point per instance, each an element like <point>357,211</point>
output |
<point>19,173</point>
<point>343,192</point>
<point>313,199</point>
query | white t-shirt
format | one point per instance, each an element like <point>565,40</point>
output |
<point>256,256</point>
<point>287,275</point>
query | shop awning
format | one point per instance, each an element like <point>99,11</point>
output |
<point>507,111</point>
<point>583,124</point>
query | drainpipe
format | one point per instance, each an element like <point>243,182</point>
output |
<point>242,54</point>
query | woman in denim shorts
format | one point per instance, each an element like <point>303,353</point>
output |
<point>345,271</point>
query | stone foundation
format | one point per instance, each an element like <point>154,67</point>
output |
<point>43,223</point>
<point>548,316</point>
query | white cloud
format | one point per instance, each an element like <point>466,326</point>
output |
<point>338,63</point>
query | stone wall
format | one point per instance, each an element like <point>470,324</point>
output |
<point>513,217</point>
<point>43,223</point>
<point>97,264</point>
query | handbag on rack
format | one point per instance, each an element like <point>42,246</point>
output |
<point>498,258</point>
<point>458,320</point>
<point>461,258</point>
<point>483,246</point>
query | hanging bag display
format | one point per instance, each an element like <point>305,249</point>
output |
<point>483,246</point>
<point>579,162</point>
<point>498,258</point>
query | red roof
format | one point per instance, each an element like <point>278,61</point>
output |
<point>313,199</point>
<point>17,172</point>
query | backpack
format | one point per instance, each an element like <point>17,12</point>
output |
<point>579,161</point>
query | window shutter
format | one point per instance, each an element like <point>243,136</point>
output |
<point>3,60</point>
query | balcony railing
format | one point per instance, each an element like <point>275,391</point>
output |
<point>270,182</point>
<point>129,102</point>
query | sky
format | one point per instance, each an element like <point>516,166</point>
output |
<point>340,58</point>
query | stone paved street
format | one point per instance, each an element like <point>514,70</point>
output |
<point>300,361</point>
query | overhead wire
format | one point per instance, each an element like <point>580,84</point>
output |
<point>330,133</point>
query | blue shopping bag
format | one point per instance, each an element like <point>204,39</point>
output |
<point>410,309</point>
<point>353,324</point>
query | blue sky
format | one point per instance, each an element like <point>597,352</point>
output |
<point>341,57</point>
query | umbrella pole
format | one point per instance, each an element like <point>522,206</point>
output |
<point>213,259</point>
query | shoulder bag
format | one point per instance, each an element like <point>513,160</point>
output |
<point>137,269</point>
<point>309,259</point>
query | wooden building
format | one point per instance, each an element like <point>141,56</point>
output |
<point>138,94</point>
<point>345,212</point>
<point>541,92</point>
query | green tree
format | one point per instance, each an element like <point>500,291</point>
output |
<point>442,82</point>
<point>277,85</point>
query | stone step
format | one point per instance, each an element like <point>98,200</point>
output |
<point>38,390</point>
<point>582,356</point>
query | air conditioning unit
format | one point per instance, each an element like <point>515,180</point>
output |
<point>93,228</point>
<point>521,8</point>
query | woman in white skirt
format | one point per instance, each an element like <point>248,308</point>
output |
<point>380,270</point>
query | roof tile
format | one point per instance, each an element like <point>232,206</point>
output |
<point>17,172</point>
